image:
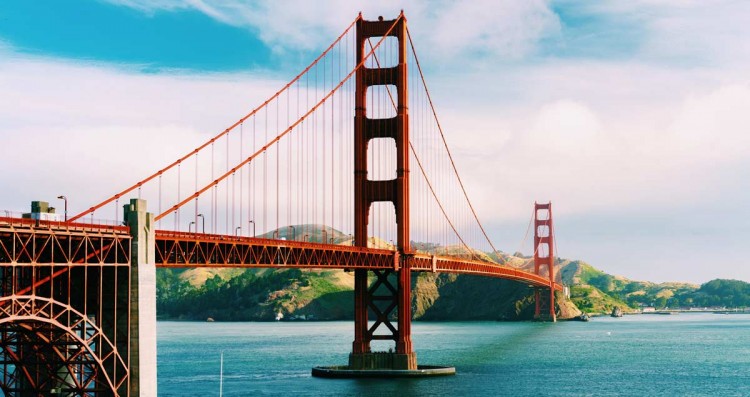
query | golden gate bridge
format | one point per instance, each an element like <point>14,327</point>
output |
<point>345,167</point>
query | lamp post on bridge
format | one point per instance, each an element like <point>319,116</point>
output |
<point>294,233</point>
<point>66,205</point>
<point>253,223</point>
<point>190,227</point>
<point>203,223</point>
<point>237,230</point>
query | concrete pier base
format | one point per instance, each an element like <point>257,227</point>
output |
<point>346,372</point>
<point>142,299</point>
<point>382,365</point>
<point>383,360</point>
<point>546,318</point>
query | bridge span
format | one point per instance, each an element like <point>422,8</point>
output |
<point>351,142</point>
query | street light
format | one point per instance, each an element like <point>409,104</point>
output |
<point>203,223</point>
<point>66,206</point>
<point>294,232</point>
<point>237,230</point>
<point>253,223</point>
<point>190,226</point>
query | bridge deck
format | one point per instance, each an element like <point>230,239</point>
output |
<point>180,249</point>
<point>45,242</point>
<point>28,241</point>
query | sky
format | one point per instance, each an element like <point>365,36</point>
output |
<point>632,117</point>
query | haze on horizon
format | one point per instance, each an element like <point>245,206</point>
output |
<point>631,117</point>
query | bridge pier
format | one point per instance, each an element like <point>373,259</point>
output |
<point>142,298</point>
<point>389,295</point>
<point>383,298</point>
<point>544,299</point>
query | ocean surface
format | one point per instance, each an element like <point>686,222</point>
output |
<point>642,355</point>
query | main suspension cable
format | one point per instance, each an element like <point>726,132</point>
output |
<point>450,157</point>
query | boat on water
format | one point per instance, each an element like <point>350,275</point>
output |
<point>581,317</point>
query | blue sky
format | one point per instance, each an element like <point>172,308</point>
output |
<point>640,107</point>
<point>98,31</point>
<point>160,39</point>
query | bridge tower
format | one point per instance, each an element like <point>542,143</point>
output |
<point>392,288</point>
<point>544,261</point>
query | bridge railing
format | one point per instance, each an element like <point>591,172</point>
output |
<point>16,219</point>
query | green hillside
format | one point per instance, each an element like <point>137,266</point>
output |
<point>597,292</point>
<point>259,296</point>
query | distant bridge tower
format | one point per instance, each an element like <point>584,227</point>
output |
<point>382,298</point>
<point>544,261</point>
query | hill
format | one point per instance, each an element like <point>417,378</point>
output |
<point>261,294</point>
<point>594,291</point>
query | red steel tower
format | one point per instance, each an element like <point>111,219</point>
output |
<point>391,289</point>
<point>544,260</point>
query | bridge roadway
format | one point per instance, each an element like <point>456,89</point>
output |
<point>181,249</point>
<point>29,241</point>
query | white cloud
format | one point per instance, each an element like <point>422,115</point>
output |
<point>590,159</point>
<point>91,129</point>
<point>712,127</point>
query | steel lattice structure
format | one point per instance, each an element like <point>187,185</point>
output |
<point>64,310</point>
<point>180,249</point>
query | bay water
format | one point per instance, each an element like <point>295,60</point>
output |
<point>690,354</point>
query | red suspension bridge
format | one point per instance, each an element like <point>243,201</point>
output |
<point>345,167</point>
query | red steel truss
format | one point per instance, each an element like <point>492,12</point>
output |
<point>64,308</point>
<point>29,241</point>
<point>180,249</point>
<point>56,347</point>
<point>177,249</point>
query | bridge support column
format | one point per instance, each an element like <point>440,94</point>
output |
<point>389,295</point>
<point>544,305</point>
<point>142,299</point>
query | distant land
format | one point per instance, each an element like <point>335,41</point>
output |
<point>265,294</point>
